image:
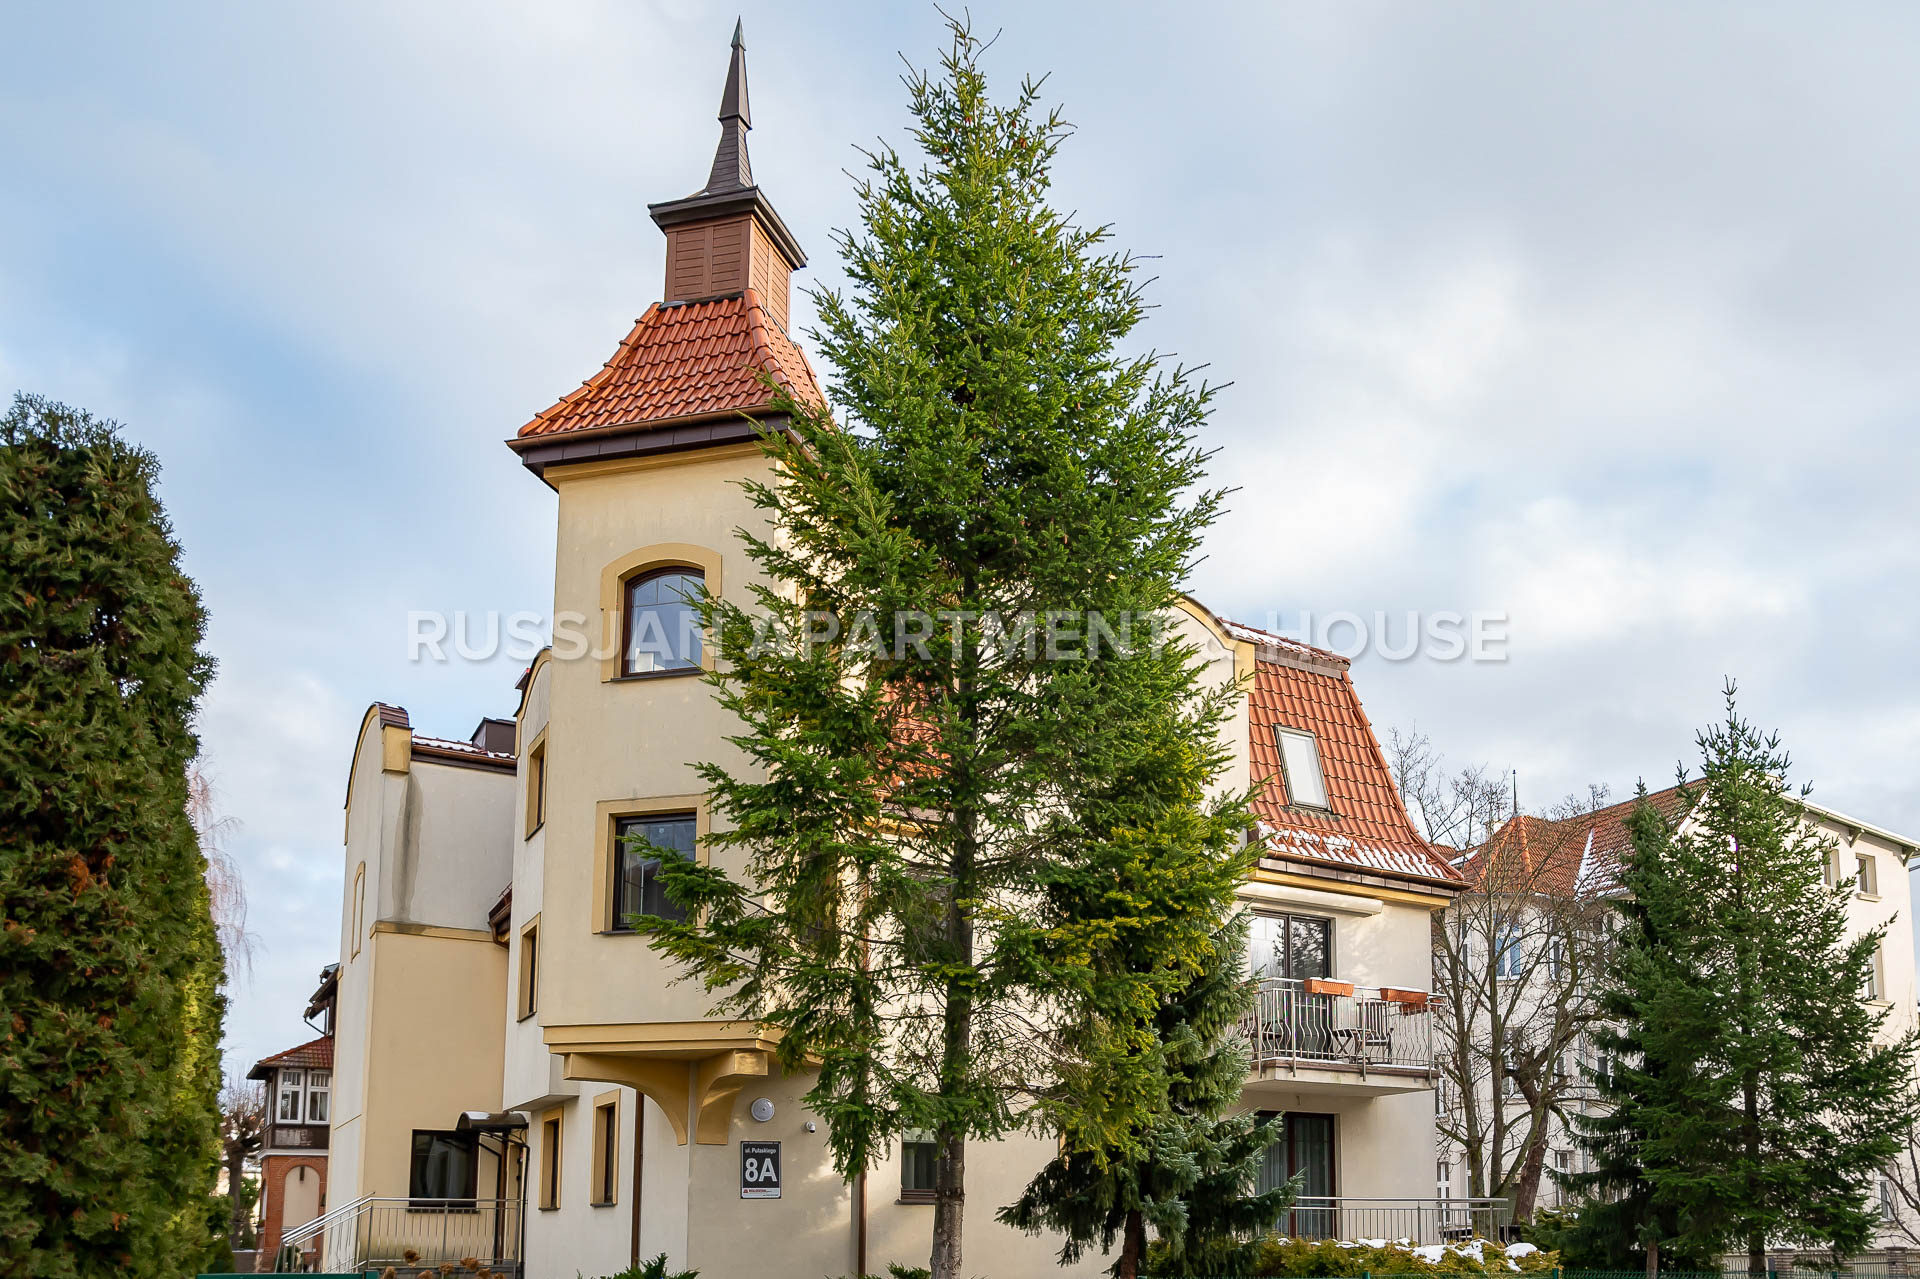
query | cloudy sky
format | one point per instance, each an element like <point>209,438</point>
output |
<point>1602,318</point>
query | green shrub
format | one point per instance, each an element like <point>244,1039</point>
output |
<point>898,1271</point>
<point>654,1269</point>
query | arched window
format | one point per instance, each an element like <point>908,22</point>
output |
<point>662,631</point>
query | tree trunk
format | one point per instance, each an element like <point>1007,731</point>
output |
<point>1756,1239</point>
<point>1133,1246</point>
<point>236,1201</point>
<point>956,1048</point>
<point>949,1204</point>
<point>1653,1258</point>
<point>1526,1187</point>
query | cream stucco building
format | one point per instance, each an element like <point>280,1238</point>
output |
<point>1578,859</point>
<point>507,1046</point>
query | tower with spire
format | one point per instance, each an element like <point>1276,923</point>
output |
<point>688,375</point>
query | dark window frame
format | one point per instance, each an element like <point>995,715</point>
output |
<point>1286,920</point>
<point>911,1163</point>
<point>606,1153</point>
<point>551,1135</point>
<point>419,1198</point>
<point>627,589</point>
<point>623,824</point>
<point>529,978</point>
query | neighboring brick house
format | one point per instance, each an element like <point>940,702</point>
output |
<point>293,1154</point>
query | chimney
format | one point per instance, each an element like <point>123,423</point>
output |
<point>726,237</point>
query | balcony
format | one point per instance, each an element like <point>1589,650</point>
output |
<point>296,1137</point>
<point>1328,1028</point>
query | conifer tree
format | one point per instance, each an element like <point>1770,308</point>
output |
<point>1763,1101</point>
<point>1659,1091</point>
<point>925,876</point>
<point>110,1008</point>
<point>1192,1179</point>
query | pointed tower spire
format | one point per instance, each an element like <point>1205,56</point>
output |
<point>731,169</point>
<point>725,237</point>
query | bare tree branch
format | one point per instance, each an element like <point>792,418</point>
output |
<point>1513,960</point>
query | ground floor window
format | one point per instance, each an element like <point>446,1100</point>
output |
<point>1304,1146</point>
<point>606,1160</point>
<point>550,1162</point>
<point>918,1156</point>
<point>445,1165</point>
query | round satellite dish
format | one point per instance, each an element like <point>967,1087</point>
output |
<point>762,1109</point>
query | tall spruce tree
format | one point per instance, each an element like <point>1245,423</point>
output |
<point>1766,1097</point>
<point>926,873</point>
<point>110,1008</point>
<point>1192,1179</point>
<point>1660,1092</point>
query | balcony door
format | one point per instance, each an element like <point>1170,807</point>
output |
<point>1292,947</point>
<point>1305,1147</point>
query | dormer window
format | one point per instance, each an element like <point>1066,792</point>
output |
<point>1300,768</point>
<point>662,630</point>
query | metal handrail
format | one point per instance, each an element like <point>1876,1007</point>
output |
<point>325,1221</point>
<point>375,1231</point>
<point>1393,1219</point>
<point>1291,1024</point>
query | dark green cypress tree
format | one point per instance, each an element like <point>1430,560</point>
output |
<point>1192,1178</point>
<point>109,967</point>
<point>924,875</point>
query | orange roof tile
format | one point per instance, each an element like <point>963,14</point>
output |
<point>1364,826</point>
<point>1580,854</point>
<point>687,359</point>
<point>316,1054</point>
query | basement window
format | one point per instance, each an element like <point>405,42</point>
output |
<point>1300,768</point>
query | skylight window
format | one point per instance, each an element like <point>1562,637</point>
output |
<point>1300,769</point>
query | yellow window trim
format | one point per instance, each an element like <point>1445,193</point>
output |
<point>613,603</point>
<point>551,1160</point>
<point>527,993</point>
<point>535,756</point>
<point>608,1101</point>
<point>606,816</point>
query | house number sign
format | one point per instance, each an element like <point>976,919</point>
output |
<point>759,1170</point>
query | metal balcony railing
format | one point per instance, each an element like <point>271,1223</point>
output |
<point>1313,1023</point>
<point>1414,1221</point>
<point>371,1234</point>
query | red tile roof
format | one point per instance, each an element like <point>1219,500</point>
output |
<point>443,748</point>
<point>316,1054</point>
<point>1364,826</point>
<point>1580,854</point>
<point>687,360</point>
